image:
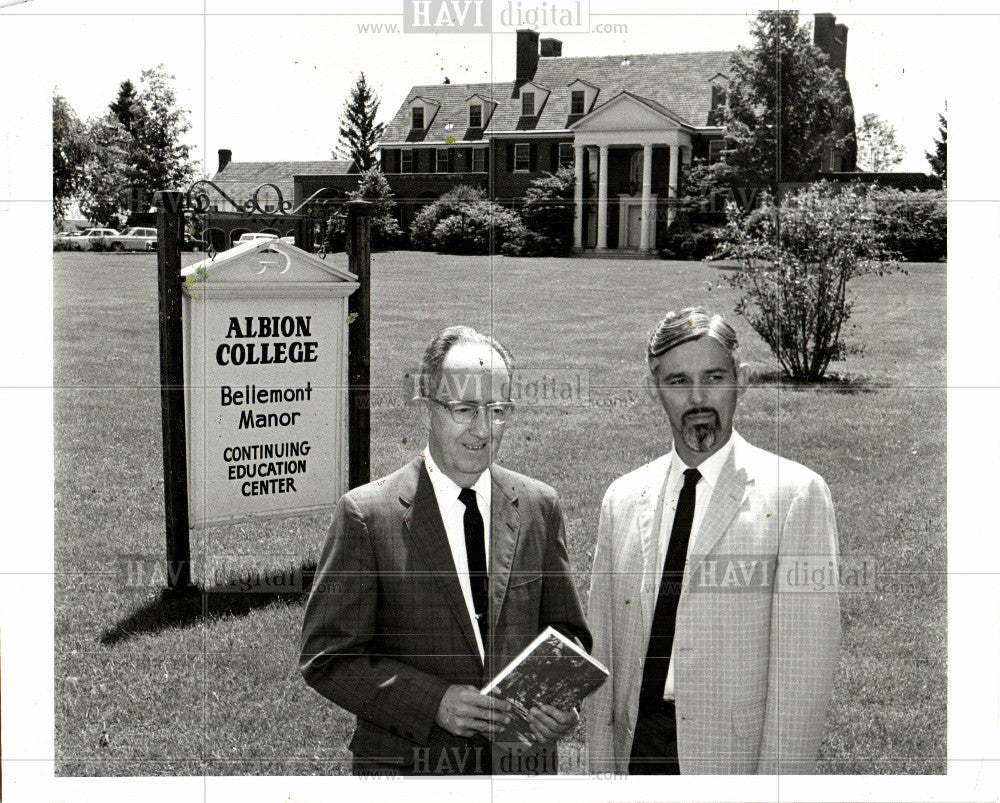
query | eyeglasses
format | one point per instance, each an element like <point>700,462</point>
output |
<point>463,412</point>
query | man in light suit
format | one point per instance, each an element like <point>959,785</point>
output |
<point>434,577</point>
<point>721,658</point>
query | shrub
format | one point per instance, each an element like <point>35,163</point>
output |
<point>453,202</point>
<point>796,262</point>
<point>386,233</point>
<point>698,211</point>
<point>548,214</point>
<point>470,230</point>
<point>913,222</point>
<point>462,221</point>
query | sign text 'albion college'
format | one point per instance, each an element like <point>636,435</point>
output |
<point>292,349</point>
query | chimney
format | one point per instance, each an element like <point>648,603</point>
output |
<point>832,40</point>
<point>225,157</point>
<point>840,37</point>
<point>527,55</point>
<point>551,47</point>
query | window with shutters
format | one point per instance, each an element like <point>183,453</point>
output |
<point>522,157</point>
<point>566,154</point>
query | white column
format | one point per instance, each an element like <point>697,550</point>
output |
<point>672,179</point>
<point>578,196</point>
<point>602,198</point>
<point>646,223</point>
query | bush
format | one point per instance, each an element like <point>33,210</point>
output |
<point>462,221</point>
<point>796,262</point>
<point>386,233</point>
<point>689,240</point>
<point>469,231</point>
<point>914,223</point>
<point>548,214</point>
<point>453,202</point>
<point>698,212</point>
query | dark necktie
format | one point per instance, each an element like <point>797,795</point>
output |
<point>661,638</point>
<point>475,551</point>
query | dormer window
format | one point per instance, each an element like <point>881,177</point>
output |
<point>581,97</point>
<point>475,115</point>
<point>720,99</point>
<point>527,104</point>
<point>417,117</point>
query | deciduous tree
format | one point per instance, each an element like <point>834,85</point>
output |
<point>70,151</point>
<point>878,151</point>
<point>796,261</point>
<point>785,104</point>
<point>159,159</point>
<point>104,186</point>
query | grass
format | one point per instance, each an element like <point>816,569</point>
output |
<point>147,685</point>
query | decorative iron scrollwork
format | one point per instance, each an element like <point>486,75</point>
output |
<point>198,200</point>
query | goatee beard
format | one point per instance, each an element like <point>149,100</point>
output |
<point>700,437</point>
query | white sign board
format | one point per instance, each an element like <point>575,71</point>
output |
<point>265,367</point>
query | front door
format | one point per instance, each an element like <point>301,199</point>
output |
<point>634,224</point>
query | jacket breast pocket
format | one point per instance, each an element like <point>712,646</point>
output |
<point>748,718</point>
<point>523,587</point>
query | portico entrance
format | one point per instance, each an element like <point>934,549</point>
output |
<point>634,148</point>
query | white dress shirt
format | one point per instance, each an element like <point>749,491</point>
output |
<point>453,514</point>
<point>710,470</point>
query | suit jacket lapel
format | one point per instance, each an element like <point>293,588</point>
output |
<point>426,527</point>
<point>726,500</point>
<point>649,521</point>
<point>505,532</point>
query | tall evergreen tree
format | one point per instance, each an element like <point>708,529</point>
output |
<point>785,104</point>
<point>124,105</point>
<point>359,133</point>
<point>939,159</point>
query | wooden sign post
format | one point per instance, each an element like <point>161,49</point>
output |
<point>170,228</point>
<point>359,262</point>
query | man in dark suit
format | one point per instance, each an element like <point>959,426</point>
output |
<point>434,577</point>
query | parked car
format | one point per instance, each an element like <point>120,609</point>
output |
<point>255,235</point>
<point>66,238</point>
<point>134,239</point>
<point>86,239</point>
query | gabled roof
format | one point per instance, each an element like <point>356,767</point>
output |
<point>625,97</point>
<point>678,82</point>
<point>224,267</point>
<point>240,179</point>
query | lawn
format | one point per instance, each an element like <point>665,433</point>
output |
<point>148,686</point>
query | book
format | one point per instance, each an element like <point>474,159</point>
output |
<point>551,670</point>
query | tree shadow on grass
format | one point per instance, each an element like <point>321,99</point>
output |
<point>833,382</point>
<point>251,591</point>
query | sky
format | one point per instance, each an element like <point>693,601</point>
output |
<point>272,87</point>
